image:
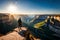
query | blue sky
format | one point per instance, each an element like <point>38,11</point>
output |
<point>32,6</point>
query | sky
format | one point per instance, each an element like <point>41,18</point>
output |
<point>30,6</point>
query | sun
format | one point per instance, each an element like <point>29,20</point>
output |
<point>12,8</point>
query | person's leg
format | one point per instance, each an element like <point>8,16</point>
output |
<point>19,26</point>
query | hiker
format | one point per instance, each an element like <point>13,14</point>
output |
<point>19,24</point>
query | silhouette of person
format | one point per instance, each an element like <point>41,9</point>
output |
<point>19,23</point>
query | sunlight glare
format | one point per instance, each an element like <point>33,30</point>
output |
<point>12,8</point>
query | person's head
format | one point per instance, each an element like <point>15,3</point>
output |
<point>6,25</point>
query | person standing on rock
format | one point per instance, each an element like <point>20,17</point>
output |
<point>19,24</point>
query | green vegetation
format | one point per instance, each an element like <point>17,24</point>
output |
<point>39,25</point>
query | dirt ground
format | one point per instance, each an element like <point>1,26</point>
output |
<point>14,35</point>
